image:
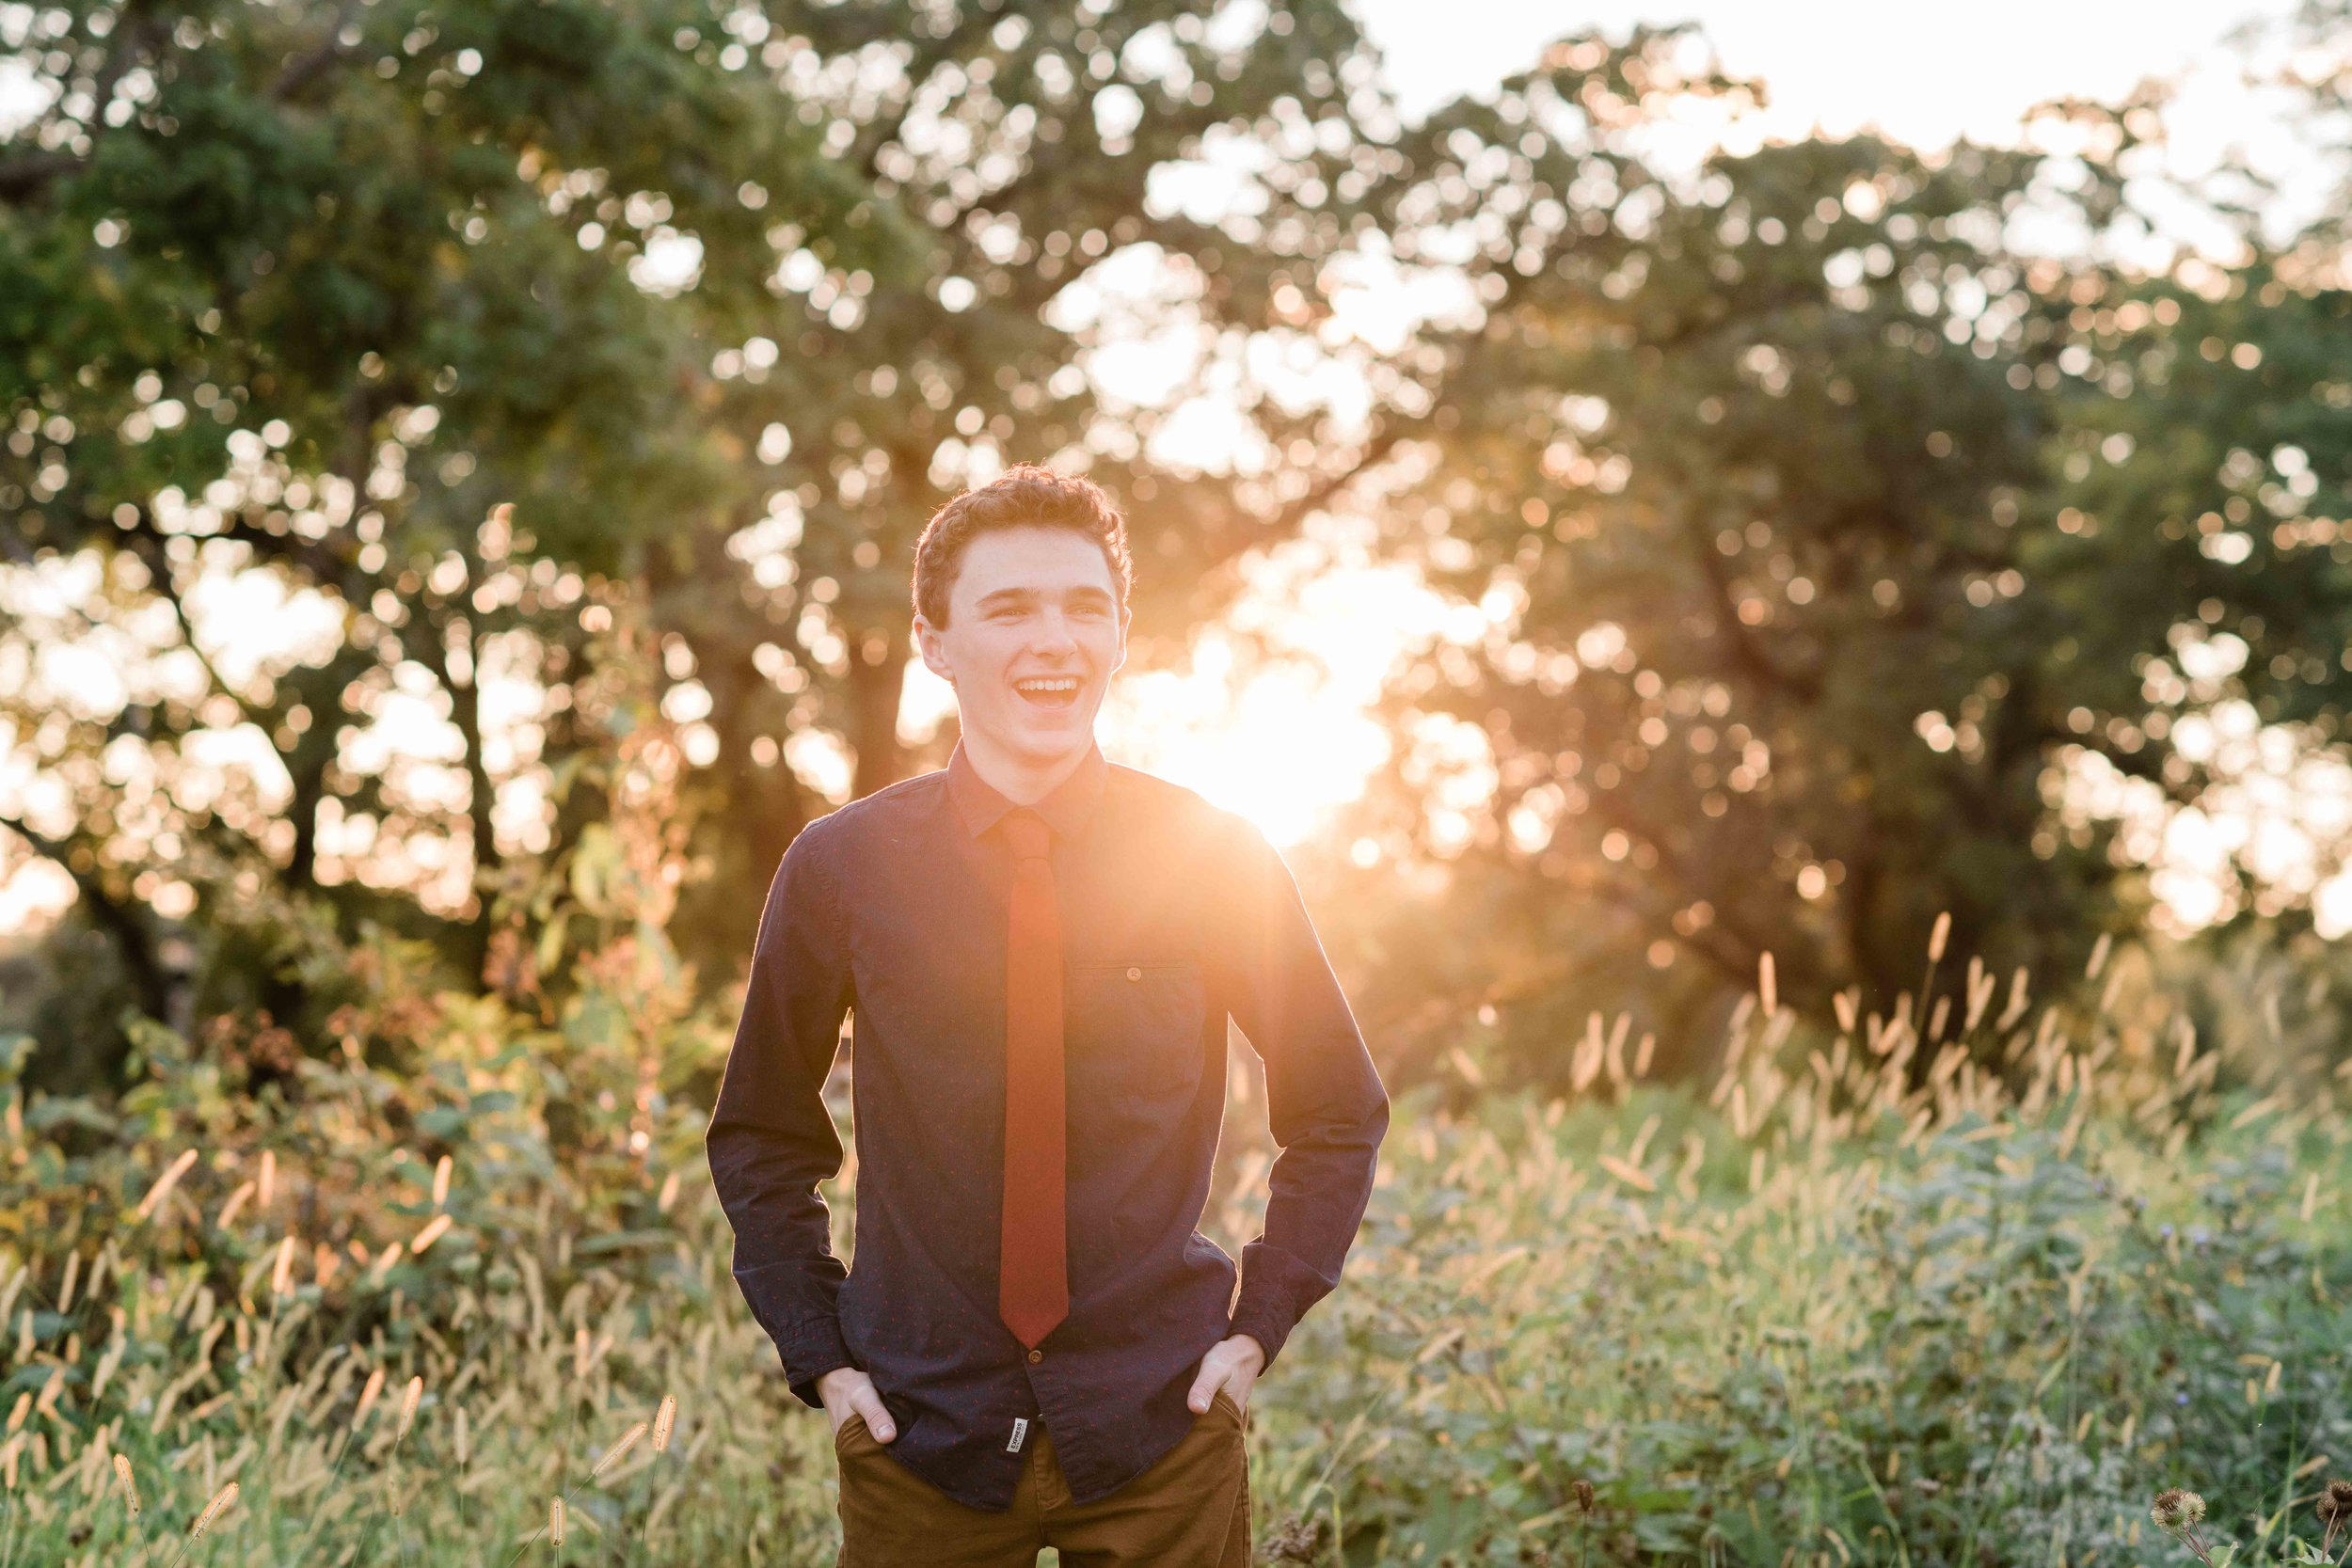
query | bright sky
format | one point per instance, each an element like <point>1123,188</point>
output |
<point>1287,743</point>
<point>1921,72</point>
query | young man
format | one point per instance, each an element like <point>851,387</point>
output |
<point>1037,1347</point>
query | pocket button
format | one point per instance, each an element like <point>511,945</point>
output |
<point>1133,973</point>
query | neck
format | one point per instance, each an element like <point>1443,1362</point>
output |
<point>1023,780</point>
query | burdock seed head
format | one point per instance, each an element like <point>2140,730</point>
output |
<point>2335,1504</point>
<point>2176,1509</point>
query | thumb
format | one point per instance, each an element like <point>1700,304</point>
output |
<point>868,1403</point>
<point>1204,1384</point>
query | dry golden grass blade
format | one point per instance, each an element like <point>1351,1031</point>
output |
<point>269,1177</point>
<point>281,1274</point>
<point>1766,985</point>
<point>440,1182</point>
<point>1937,937</point>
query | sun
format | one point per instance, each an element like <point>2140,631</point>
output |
<point>1287,739</point>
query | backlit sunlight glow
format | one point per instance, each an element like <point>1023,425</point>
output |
<point>1285,741</point>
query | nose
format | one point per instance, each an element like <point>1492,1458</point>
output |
<point>1053,635</point>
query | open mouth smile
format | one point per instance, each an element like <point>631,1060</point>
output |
<point>1048,691</point>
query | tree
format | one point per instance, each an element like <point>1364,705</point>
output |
<point>1762,469</point>
<point>452,325</point>
<point>376,311</point>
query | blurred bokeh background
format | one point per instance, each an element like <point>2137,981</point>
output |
<point>1621,502</point>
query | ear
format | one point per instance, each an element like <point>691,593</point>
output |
<point>933,648</point>
<point>1127,618</point>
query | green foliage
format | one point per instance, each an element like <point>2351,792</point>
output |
<point>460,325</point>
<point>1813,1313</point>
<point>356,301</point>
<point>1838,541</point>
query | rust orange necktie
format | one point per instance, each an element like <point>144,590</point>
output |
<point>1033,1285</point>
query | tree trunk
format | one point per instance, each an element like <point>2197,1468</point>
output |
<point>878,676</point>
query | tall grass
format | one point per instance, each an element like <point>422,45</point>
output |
<point>1840,1309</point>
<point>1967,1283</point>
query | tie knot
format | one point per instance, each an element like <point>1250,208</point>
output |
<point>1030,838</point>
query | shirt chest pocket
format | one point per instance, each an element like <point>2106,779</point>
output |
<point>1134,1030</point>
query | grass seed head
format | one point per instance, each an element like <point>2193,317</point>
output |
<point>662,1420</point>
<point>628,1441</point>
<point>130,1487</point>
<point>2335,1504</point>
<point>163,1183</point>
<point>374,1387</point>
<point>222,1501</point>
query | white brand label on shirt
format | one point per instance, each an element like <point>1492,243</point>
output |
<point>1020,1433</point>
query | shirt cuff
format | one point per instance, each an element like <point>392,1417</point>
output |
<point>1276,1290</point>
<point>817,1349</point>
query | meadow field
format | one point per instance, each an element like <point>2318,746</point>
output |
<point>1971,1289</point>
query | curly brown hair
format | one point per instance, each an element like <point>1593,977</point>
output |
<point>1027,495</point>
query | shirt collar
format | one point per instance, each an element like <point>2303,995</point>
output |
<point>1067,809</point>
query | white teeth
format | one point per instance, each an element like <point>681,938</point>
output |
<point>1067,682</point>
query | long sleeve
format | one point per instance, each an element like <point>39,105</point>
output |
<point>770,1139</point>
<point>1324,1103</point>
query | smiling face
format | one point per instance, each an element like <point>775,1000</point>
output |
<point>1034,630</point>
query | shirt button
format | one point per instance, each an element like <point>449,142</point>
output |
<point>1036,1356</point>
<point>1133,973</point>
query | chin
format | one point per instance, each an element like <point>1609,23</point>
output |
<point>1056,735</point>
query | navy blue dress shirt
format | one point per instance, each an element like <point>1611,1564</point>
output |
<point>1176,914</point>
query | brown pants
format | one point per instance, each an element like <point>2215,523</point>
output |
<point>1190,1509</point>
